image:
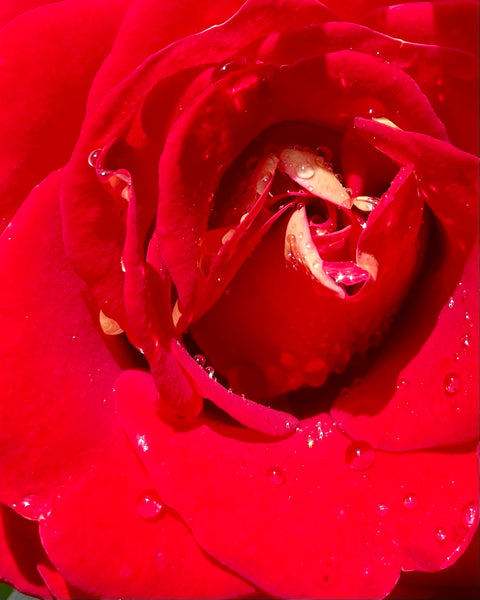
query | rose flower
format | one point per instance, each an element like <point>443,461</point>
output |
<point>239,309</point>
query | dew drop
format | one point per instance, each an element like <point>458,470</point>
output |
<point>200,359</point>
<point>93,157</point>
<point>466,340</point>
<point>149,506</point>
<point>402,384</point>
<point>142,442</point>
<point>305,171</point>
<point>382,509</point>
<point>451,303</point>
<point>451,383</point>
<point>440,535</point>
<point>210,372</point>
<point>470,514</point>
<point>410,501</point>
<point>359,456</point>
<point>275,476</point>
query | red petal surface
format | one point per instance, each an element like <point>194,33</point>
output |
<point>49,58</point>
<point>10,9</point>
<point>111,535</point>
<point>434,365</point>
<point>21,553</point>
<point>450,81</point>
<point>56,370</point>
<point>452,23</point>
<point>377,512</point>
<point>151,25</point>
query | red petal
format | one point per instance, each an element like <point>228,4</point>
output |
<point>452,23</point>
<point>111,535</point>
<point>435,364</point>
<point>150,26</point>
<point>297,500</point>
<point>49,58</point>
<point>56,370</point>
<point>21,553</point>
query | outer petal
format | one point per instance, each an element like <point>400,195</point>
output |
<point>150,26</point>
<point>316,500</point>
<point>9,9</point>
<point>452,23</point>
<point>49,58</point>
<point>434,366</point>
<point>146,552</point>
<point>20,553</point>
<point>56,370</point>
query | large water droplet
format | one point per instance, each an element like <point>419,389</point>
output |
<point>93,157</point>
<point>275,475</point>
<point>200,359</point>
<point>440,535</point>
<point>470,514</point>
<point>210,372</point>
<point>149,506</point>
<point>304,171</point>
<point>359,456</point>
<point>410,501</point>
<point>452,383</point>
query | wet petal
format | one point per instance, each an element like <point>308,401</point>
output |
<point>365,514</point>
<point>144,536</point>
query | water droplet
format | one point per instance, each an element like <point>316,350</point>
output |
<point>359,455</point>
<point>242,62</point>
<point>470,514</point>
<point>33,507</point>
<point>402,384</point>
<point>93,157</point>
<point>304,171</point>
<point>310,440</point>
<point>440,535</point>
<point>149,506</point>
<point>452,383</point>
<point>451,303</point>
<point>410,501</point>
<point>382,509</point>
<point>142,442</point>
<point>200,359</point>
<point>275,475</point>
<point>210,372</point>
<point>466,340</point>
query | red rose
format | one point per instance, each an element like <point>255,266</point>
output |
<point>239,319</point>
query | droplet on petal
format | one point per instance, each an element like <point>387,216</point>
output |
<point>200,359</point>
<point>440,535</point>
<point>304,171</point>
<point>275,476</point>
<point>382,509</point>
<point>149,506</point>
<point>93,157</point>
<point>142,442</point>
<point>359,456</point>
<point>410,501</point>
<point>452,383</point>
<point>470,514</point>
